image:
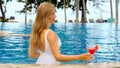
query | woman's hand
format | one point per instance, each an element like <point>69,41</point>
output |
<point>86,57</point>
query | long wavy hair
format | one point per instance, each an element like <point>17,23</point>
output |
<point>44,11</point>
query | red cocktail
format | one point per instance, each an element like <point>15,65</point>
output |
<point>92,49</point>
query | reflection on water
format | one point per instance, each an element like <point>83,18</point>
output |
<point>74,38</point>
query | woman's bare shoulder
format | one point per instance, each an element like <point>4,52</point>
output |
<point>51,33</point>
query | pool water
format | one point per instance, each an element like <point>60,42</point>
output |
<point>75,38</point>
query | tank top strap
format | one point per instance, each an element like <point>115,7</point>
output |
<point>46,34</point>
<point>46,41</point>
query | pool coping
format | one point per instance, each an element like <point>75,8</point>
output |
<point>10,33</point>
<point>90,65</point>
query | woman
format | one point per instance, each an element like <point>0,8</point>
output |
<point>44,42</point>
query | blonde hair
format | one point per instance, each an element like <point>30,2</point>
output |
<point>44,11</point>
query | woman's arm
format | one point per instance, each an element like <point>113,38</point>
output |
<point>52,38</point>
<point>32,52</point>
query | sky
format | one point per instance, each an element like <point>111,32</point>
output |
<point>94,12</point>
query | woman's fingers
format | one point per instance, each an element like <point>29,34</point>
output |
<point>89,57</point>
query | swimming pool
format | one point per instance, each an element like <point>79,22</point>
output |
<point>75,38</point>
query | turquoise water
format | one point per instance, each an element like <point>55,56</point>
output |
<point>75,38</point>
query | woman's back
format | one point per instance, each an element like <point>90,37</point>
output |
<point>47,57</point>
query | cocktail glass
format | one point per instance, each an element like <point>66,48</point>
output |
<point>92,50</point>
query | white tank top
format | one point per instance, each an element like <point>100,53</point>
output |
<point>47,56</point>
